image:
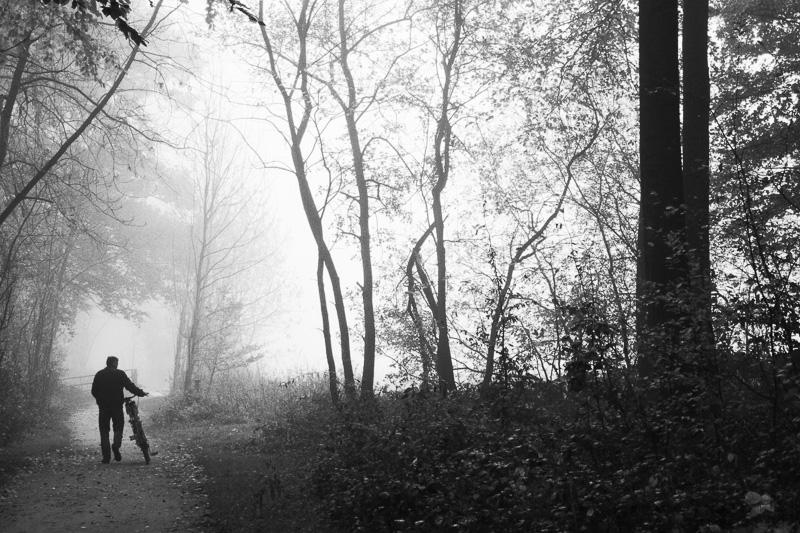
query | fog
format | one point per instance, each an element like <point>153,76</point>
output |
<point>290,333</point>
<point>204,80</point>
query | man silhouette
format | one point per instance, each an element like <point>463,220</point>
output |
<point>107,389</point>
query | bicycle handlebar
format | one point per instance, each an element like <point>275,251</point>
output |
<point>132,396</point>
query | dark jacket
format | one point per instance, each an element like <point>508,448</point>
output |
<point>108,384</point>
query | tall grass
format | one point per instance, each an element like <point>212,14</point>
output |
<point>238,397</point>
<point>257,476</point>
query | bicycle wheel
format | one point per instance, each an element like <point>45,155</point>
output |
<point>142,442</point>
<point>146,453</point>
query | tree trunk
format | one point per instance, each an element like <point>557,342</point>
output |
<point>315,223</point>
<point>296,133</point>
<point>441,147</point>
<point>521,253</point>
<point>192,342</point>
<point>177,366</point>
<point>661,262</point>
<point>11,98</point>
<point>413,311</point>
<point>326,331</point>
<point>55,316</point>
<point>368,375</point>
<point>696,97</point>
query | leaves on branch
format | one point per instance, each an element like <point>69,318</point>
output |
<point>130,33</point>
<point>117,10</point>
<point>238,6</point>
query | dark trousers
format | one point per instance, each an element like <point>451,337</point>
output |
<point>109,415</point>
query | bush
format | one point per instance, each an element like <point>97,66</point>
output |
<point>190,408</point>
<point>240,397</point>
<point>428,464</point>
<point>13,418</point>
<point>434,465</point>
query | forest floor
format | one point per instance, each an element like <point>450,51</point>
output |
<point>250,487</point>
<point>204,479</point>
<point>54,481</point>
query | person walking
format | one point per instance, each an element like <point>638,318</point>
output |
<point>107,389</point>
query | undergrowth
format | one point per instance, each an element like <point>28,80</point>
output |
<point>533,457</point>
<point>35,434</point>
<point>256,441</point>
<point>237,398</point>
<point>422,463</point>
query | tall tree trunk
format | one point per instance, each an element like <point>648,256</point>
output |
<point>441,147</point>
<point>696,97</point>
<point>326,331</point>
<point>661,262</point>
<point>11,98</point>
<point>413,311</point>
<point>297,131</point>
<point>192,340</point>
<point>368,375</point>
<point>315,223</point>
<point>8,285</point>
<point>178,366</point>
<point>55,321</point>
<point>199,294</point>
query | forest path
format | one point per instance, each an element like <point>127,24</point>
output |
<point>70,490</point>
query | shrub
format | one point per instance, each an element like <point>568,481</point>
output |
<point>429,464</point>
<point>190,408</point>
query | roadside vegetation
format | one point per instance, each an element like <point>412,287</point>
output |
<point>27,439</point>
<point>256,441</point>
<point>530,457</point>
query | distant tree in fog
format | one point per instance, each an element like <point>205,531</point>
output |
<point>224,225</point>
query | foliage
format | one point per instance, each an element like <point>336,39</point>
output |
<point>238,396</point>
<point>12,417</point>
<point>63,245</point>
<point>255,471</point>
<point>603,450</point>
<point>423,463</point>
<point>755,188</point>
<point>116,10</point>
<point>20,416</point>
<point>191,408</point>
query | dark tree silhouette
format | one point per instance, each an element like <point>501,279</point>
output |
<point>662,264</point>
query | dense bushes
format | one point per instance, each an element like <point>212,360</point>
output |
<point>433,465</point>
<point>239,397</point>
<point>189,408</point>
<point>421,463</point>
<point>618,455</point>
<point>20,412</point>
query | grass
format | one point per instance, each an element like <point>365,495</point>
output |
<point>256,463</point>
<point>46,434</point>
<point>47,437</point>
<point>249,488</point>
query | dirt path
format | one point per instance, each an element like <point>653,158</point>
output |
<point>70,490</point>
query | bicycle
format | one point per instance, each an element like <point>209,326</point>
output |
<point>138,431</point>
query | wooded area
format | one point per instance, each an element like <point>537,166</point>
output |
<point>574,224</point>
